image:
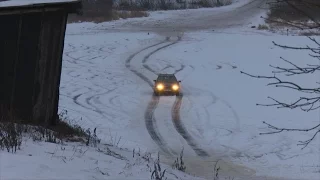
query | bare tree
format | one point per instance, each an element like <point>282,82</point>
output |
<point>310,96</point>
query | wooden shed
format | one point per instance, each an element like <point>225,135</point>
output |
<point>31,46</point>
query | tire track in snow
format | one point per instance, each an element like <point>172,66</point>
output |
<point>128,61</point>
<point>145,59</point>
<point>149,113</point>
<point>182,130</point>
<point>90,53</point>
<point>92,108</point>
<point>175,113</point>
<point>150,122</point>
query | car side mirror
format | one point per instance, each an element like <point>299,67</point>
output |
<point>179,81</point>
<point>154,80</point>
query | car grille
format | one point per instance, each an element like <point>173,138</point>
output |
<point>167,86</point>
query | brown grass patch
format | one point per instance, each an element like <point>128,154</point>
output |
<point>115,15</point>
<point>102,10</point>
<point>311,33</point>
<point>263,27</point>
<point>13,128</point>
<point>298,15</point>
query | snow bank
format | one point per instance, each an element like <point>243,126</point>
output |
<point>41,160</point>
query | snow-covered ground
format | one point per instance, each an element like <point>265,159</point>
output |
<point>104,85</point>
<point>218,107</point>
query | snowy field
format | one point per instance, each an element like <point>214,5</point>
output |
<point>218,108</point>
<point>106,85</point>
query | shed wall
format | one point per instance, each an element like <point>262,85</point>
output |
<point>31,47</point>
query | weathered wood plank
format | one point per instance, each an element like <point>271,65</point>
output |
<point>31,47</point>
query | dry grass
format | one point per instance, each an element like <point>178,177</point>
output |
<point>102,10</point>
<point>311,33</point>
<point>115,15</point>
<point>13,128</point>
<point>108,10</point>
<point>285,15</point>
<point>129,14</point>
<point>263,27</point>
<point>168,4</point>
<point>301,12</point>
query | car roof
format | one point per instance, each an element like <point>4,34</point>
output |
<point>166,75</point>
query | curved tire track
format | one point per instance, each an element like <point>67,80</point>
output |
<point>149,114</point>
<point>175,109</point>
<point>156,50</point>
<point>128,61</point>
<point>181,129</point>
<point>84,99</point>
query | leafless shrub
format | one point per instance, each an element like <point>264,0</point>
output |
<point>165,4</point>
<point>201,3</point>
<point>137,153</point>
<point>114,140</point>
<point>224,2</point>
<point>157,173</point>
<point>92,138</point>
<point>146,4</point>
<point>107,10</point>
<point>10,136</point>
<point>39,133</point>
<point>108,152</point>
<point>168,4</point>
<point>209,3</point>
<point>146,156</point>
<point>12,129</point>
<point>125,4</point>
<point>216,171</point>
<point>179,163</point>
<point>78,152</point>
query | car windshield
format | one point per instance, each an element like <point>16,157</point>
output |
<point>168,78</point>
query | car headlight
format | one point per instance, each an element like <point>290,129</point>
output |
<point>160,86</point>
<point>175,87</point>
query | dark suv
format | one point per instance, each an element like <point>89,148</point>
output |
<point>167,84</point>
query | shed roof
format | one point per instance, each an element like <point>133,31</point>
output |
<point>28,6</point>
<point>19,3</point>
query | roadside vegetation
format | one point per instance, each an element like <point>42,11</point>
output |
<point>14,129</point>
<point>168,4</point>
<point>302,16</point>
<point>14,132</point>
<point>108,10</point>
